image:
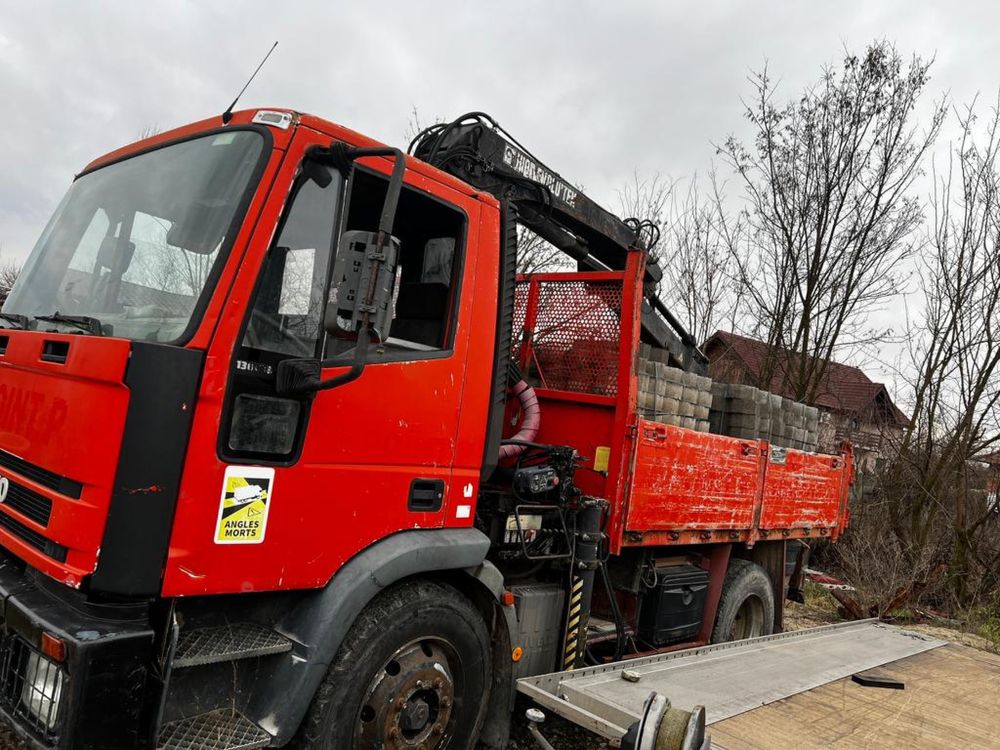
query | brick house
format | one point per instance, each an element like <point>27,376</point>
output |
<point>991,467</point>
<point>851,405</point>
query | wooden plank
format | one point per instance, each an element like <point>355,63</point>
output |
<point>951,700</point>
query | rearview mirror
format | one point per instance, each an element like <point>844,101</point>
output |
<point>364,279</point>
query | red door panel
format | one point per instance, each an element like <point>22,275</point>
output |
<point>365,441</point>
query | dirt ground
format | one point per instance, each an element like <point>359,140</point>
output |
<point>8,741</point>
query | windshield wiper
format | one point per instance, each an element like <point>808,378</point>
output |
<point>16,321</point>
<point>83,322</point>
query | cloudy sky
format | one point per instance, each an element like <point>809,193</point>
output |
<point>596,89</point>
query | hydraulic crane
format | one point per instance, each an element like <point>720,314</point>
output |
<point>476,149</point>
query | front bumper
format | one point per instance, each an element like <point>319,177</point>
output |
<point>96,696</point>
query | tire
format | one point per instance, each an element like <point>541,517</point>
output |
<point>746,607</point>
<point>413,671</point>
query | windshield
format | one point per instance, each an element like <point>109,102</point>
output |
<point>134,244</point>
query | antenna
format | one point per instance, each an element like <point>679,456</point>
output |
<point>228,114</point>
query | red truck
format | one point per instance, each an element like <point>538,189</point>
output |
<point>288,454</point>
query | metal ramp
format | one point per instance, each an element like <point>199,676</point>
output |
<point>727,678</point>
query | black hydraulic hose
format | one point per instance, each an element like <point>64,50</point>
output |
<point>615,612</point>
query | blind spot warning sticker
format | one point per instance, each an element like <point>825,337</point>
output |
<point>246,498</point>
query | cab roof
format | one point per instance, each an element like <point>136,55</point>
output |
<point>281,137</point>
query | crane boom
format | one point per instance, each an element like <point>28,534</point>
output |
<point>478,151</point>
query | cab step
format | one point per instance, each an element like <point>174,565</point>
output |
<point>227,643</point>
<point>218,730</point>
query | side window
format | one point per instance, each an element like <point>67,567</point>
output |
<point>432,243</point>
<point>286,321</point>
<point>287,317</point>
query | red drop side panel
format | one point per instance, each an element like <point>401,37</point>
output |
<point>685,480</point>
<point>803,492</point>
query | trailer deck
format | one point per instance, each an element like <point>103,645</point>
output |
<point>728,678</point>
<point>950,701</point>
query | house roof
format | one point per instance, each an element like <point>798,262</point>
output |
<point>847,389</point>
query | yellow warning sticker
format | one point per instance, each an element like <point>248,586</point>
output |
<point>601,457</point>
<point>246,498</point>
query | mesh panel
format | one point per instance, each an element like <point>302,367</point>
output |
<point>576,336</point>
<point>243,640</point>
<point>31,687</point>
<point>520,309</point>
<point>219,730</point>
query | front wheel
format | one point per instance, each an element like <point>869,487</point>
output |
<point>413,672</point>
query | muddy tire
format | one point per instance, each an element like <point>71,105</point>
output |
<point>414,671</point>
<point>746,607</point>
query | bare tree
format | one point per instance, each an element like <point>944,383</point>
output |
<point>693,249</point>
<point>415,125</point>
<point>648,199</point>
<point>535,255</point>
<point>9,271</point>
<point>699,274</point>
<point>829,216</point>
<point>936,492</point>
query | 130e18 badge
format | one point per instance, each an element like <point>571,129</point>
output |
<point>246,498</point>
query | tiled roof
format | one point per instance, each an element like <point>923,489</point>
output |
<point>847,389</point>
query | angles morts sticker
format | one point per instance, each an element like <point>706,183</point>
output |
<point>246,498</point>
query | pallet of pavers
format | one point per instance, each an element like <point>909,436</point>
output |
<point>671,396</point>
<point>749,413</point>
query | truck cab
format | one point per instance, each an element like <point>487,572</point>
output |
<point>145,452</point>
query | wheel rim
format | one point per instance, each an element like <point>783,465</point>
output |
<point>409,702</point>
<point>749,620</point>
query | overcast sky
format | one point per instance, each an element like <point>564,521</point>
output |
<point>596,89</point>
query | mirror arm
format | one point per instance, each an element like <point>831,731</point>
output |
<point>301,377</point>
<point>341,156</point>
<point>357,367</point>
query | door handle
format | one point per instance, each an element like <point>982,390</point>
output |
<point>426,495</point>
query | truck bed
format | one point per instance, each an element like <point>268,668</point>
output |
<point>577,341</point>
<point>686,484</point>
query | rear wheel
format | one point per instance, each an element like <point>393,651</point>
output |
<point>746,607</point>
<point>413,672</point>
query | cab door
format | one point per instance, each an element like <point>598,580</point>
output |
<point>349,466</point>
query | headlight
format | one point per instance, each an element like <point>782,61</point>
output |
<point>42,689</point>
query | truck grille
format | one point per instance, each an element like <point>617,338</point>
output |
<point>29,503</point>
<point>31,687</point>
<point>41,476</point>
<point>32,537</point>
